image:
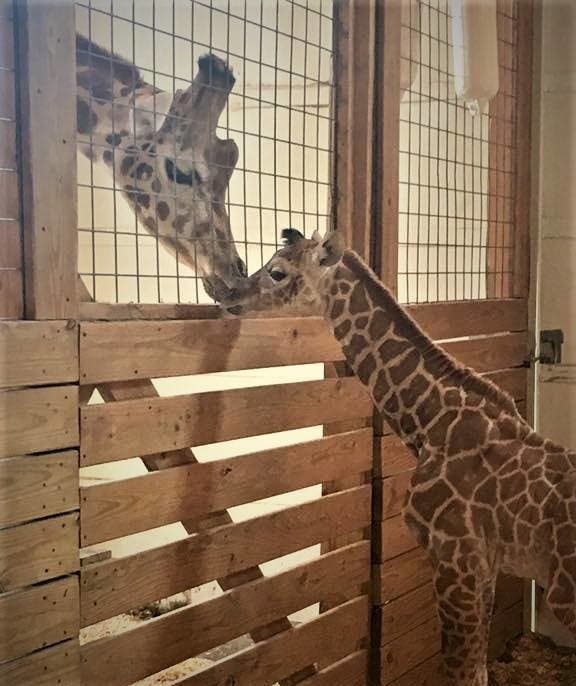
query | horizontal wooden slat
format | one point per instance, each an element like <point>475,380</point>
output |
<point>513,381</point>
<point>38,353</point>
<point>351,671</point>
<point>428,673</point>
<point>58,665</point>
<point>481,317</point>
<point>407,612</point>
<point>392,538</point>
<point>116,585</point>
<point>139,350</point>
<point>391,456</point>
<point>38,551</point>
<point>138,311</point>
<point>118,508</point>
<point>329,637</point>
<point>390,495</point>
<point>37,486</point>
<point>125,658</point>
<point>38,617</point>
<point>490,353</point>
<point>114,431</point>
<point>38,419</point>
<point>10,245</point>
<point>410,650</point>
<point>401,575</point>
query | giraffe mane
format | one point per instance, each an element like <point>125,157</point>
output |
<point>450,369</point>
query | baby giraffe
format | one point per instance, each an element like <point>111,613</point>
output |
<point>489,494</point>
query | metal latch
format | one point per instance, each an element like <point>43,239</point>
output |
<point>551,346</point>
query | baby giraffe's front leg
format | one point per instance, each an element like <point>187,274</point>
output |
<point>465,593</point>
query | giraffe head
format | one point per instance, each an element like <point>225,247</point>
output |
<point>291,281</point>
<point>164,154</point>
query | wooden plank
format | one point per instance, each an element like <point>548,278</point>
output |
<point>391,456</point>
<point>351,671</point>
<point>10,244</point>
<point>443,321</point>
<point>38,617</point>
<point>38,419</point>
<point>390,495</point>
<point>117,585</point>
<point>11,294</point>
<point>330,636</point>
<point>38,551</point>
<point>125,658</point>
<point>523,157</point>
<point>428,673</point>
<point>91,311</point>
<point>118,508</point>
<point>138,350</point>
<point>9,208</point>
<point>388,68</point>
<point>46,44</point>
<point>140,427</point>
<point>488,354</point>
<point>7,94</point>
<point>37,486</point>
<point>509,592</point>
<point>392,538</point>
<point>401,575</point>
<point>38,353</point>
<point>403,614</point>
<point>7,144</point>
<point>410,650</point>
<point>513,381</point>
<point>59,665</point>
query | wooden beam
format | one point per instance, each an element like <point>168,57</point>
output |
<point>118,585</point>
<point>47,79</point>
<point>59,664</point>
<point>122,659</point>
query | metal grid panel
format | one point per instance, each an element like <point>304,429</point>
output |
<point>457,181</point>
<point>279,113</point>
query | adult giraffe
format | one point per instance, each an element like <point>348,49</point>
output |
<point>172,167</point>
<point>488,494</point>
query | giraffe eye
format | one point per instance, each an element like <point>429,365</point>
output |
<point>277,275</point>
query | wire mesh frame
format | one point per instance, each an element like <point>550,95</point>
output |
<point>279,113</point>
<point>456,171</point>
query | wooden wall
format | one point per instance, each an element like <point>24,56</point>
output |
<point>11,293</point>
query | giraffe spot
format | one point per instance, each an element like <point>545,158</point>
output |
<point>355,347</point>
<point>344,287</point>
<point>531,457</point>
<point>468,433</point>
<point>492,410</point>
<point>535,440</point>
<point>566,540</point>
<point>391,349</point>
<point>518,504</point>
<point>180,222</point>
<point>405,367</point>
<point>107,156</point>
<point>523,534</point>
<point>562,593</point>
<point>150,223</point>
<point>429,408</point>
<point>510,466</point>
<point>143,199</point>
<point>552,447</point>
<point>358,302</point>
<point>508,428</point>
<point>551,502</point>
<point>127,164</point>
<point>452,398</point>
<point>511,486</point>
<point>420,532</point>
<point>337,309</point>
<point>381,387</point>
<point>366,368</point>
<point>438,432</point>
<point>391,406</point>
<point>361,322</point>
<point>114,139</point>
<point>86,119</point>
<point>156,186</point>
<point>452,519</point>
<point>428,502</point>
<point>465,472</point>
<point>163,210</point>
<point>418,386</point>
<point>446,578</point>
<point>473,399</point>
<point>144,171</point>
<point>124,91</point>
<point>334,289</point>
<point>538,490</point>
<point>505,524</point>
<point>558,462</point>
<point>407,424</point>
<point>379,324</point>
<point>342,329</point>
<point>483,521</point>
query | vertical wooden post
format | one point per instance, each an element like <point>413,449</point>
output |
<point>46,38</point>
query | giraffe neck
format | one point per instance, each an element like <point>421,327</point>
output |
<point>410,378</point>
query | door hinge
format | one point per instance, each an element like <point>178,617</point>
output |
<point>551,341</point>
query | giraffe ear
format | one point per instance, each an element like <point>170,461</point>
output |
<point>317,237</point>
<point>331,249</point>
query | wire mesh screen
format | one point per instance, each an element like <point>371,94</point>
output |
<point>457,179</point>
<point>136,244</point>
